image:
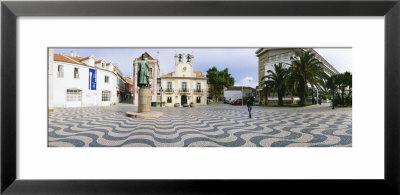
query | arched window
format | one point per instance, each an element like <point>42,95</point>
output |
<point>180,57</point>
<point>188,58</point>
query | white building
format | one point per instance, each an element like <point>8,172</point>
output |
<point>267,57</point>
<point>120,82</point>
<point>184,85</point>
<point>81,82</point>
<point>238,92</point>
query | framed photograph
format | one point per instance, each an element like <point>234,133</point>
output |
<point>222,97</point>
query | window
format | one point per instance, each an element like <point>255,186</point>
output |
<point>198,87</point>
<point>103,65</point>
<point>150,72</point>
<point>188,59</point>
<point>60,71</point>
<point>76,73</point>
<point>184,86</point>
<point>106,79</point>
<point>74,95</point>
<point>105,96</point>
<point>169,85</point>
<point>169,99</point>
<point>198,99</point>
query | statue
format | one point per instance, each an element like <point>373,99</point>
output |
<point>143,72</point>
<point>144,99</point>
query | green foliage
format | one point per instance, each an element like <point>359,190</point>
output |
<point>268,85</point>
<point>306,69</point>
<point>219,80</point>
<point>326,97</point>
<point>277,81</point>
<point>340,84</point>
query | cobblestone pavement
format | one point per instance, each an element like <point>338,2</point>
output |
<point>213,125</point>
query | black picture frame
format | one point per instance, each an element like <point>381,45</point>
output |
<point>11,10</point>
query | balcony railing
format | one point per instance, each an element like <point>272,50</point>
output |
<point>184,90</point>
<point>198,91</point>
<point>169,90</point>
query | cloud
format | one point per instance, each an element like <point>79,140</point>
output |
<point>247,81</point>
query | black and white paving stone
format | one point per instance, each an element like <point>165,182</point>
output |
<point>203,126</point>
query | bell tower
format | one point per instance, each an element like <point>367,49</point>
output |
<point>184,65</point>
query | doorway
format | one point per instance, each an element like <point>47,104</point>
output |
<point>183,99</point>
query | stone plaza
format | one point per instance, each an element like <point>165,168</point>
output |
<point>214,125</point>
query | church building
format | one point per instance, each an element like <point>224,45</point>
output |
<point>185,85</point>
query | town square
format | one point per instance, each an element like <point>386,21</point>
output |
<point>217,125</point>
<point>292,97</point>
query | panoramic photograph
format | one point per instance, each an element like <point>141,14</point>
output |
<point>199,97</point>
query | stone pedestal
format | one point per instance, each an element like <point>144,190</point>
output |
<point>144,106</point>
<point>144,100</point>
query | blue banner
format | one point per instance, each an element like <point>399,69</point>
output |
<point>92,79</point>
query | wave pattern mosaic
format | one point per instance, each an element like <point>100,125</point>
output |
<point>222,125</point>
<point>199,97</point>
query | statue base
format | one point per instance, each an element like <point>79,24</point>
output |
<point>144,100</point>
<point>144,107</point>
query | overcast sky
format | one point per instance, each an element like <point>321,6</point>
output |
<point>241,62</point>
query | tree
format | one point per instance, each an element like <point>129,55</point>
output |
<point>348,81</point>
<point>306,69</point>
<point>267,88</point>
<point>339,83</point>
<point>219,80</point>
<point>278,80</point>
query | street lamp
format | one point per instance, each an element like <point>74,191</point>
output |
<point>161,90</point>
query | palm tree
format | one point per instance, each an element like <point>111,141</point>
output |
<point>342,81</point>
<point>267,88</point>
<point>306,69</point>
<point>277,80</point>
<point>347,80</point>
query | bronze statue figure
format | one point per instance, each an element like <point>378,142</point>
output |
<point>143,72</point>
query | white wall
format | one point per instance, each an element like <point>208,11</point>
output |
<point>89,97</point>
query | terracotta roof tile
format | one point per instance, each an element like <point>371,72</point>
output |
<point>199,74</point>
<point>167,75</point>
<point>75,60</point>
<point>129,80</point>
<point>148,57</point>
<point>85,58</point>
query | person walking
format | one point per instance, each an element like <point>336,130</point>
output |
<point>249,104</point>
